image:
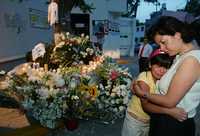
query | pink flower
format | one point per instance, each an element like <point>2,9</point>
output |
<point>114,75</point>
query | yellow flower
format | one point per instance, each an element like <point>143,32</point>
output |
<point>92,90</point>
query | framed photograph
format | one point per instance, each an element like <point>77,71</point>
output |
<point>38,19</point>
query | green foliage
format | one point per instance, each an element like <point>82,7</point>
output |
<point>83,6</point>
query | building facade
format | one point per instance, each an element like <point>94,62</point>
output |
<point>23,24</point>
<point>113,32</point>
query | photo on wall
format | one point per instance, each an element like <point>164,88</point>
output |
<point>38,19</point>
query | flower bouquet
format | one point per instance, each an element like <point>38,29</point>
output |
<point>41,93</point>
<point>83,85</point>
<point>71,92</point>
<point>115,89</point>
<point>72,51</point>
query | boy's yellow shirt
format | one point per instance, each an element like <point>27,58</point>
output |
<point>135,105</point>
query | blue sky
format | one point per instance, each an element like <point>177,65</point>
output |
<point>145,8</point>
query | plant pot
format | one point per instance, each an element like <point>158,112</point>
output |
<point>71,124</point>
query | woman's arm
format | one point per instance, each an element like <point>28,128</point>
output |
<point>176,113</point>
<point>183,80</point>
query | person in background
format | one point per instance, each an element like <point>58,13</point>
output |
<point>143,55</point>
<point>180,85</point>
<point>136,122</point>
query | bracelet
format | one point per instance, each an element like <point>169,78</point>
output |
<point>146,95</point>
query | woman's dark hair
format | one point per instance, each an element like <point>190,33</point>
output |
<point>163,60</point>
<point>167,25</point>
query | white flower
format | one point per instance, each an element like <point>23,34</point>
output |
<point>100,106</point>
<point>112,101</point>
<point>43,92</point>
<point>107,93</point>
<point>82,35</point>
<point>72,84</point>
<point>87,37</point>
<point>121,108</point>
<point>117,101</point>
<point>75,97</point>
<point>90,51</point>
<point>2,72</point>
<point>67,33</point>
<point>115,110</point>
<point>125,100</point>
<point>53,91</point>
<point>33,78</point>
<point>59,81</point>
<point>81,62</point>
<point>101,86</point>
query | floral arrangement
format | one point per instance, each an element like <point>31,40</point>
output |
<point>84,85</point>
<point>72,50</point>
<point>70,92</point>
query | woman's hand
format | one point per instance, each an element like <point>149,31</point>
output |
<point>178,113</point>
<point>140,91</point>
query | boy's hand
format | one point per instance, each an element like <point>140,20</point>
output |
<point>138,90</point>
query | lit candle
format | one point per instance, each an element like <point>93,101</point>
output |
<point>37,65</point>
<point>34,65</point>
<point>54,71</point>
<point>45,67</point>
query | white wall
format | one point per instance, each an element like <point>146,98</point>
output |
<point>127,26</point>
<point>111,10</point>
<point>101,11</point>
<point>117,5</point>
<point>17,36</point>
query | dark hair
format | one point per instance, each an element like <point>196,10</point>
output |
<point>163,60</point>
<point>167,25</point>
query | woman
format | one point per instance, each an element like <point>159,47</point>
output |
<point>180,86</point>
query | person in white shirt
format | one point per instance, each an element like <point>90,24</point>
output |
<point>53,13</point>
<point>143,55</point>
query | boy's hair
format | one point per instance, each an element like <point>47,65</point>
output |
<point>161,58</point>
